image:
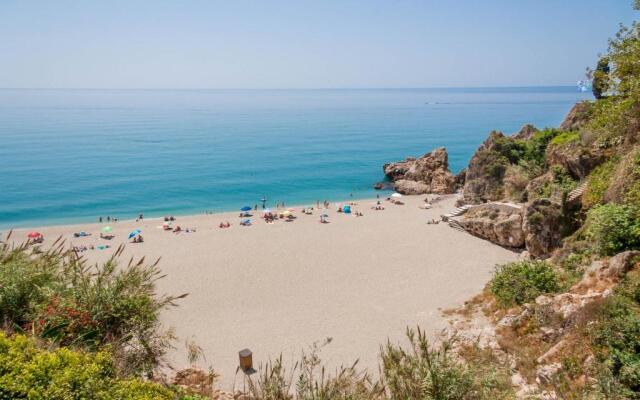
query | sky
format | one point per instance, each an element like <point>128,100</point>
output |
<point>204,44</point>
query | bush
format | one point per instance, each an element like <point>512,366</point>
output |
<point>535,148</point>
<point>27,371</point>
<point>275,382</point>
<point>612,228</point>
<point>521,282</point>
<point>434,373</point>
<point>56,296</point>
<point>616,337</point>
<point>598,183</point>
<point>566,137</point>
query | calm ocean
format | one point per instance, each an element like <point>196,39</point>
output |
<point>69,156</point>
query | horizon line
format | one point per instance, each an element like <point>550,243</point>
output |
<point>296,88</point>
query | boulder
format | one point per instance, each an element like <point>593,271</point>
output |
<point>620,264</point>
<point>577,117</point>
<point>543,227</point>
<point>496,222</point>
<point>429,174</point>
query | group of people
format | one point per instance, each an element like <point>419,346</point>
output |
<point>224,225</point>
<point>109,219</point>
<point>138,239</point>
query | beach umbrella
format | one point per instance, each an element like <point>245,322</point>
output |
<point>285,213</point>
<point>134,233</point>
<point>34,235</point>
<point>396,195</point>
<point>246,221</point>
<point>245,208</point>
<point>107,229</point>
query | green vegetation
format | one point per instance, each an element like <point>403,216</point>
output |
<point>535,148</point>
<point>616,338</point>
<point>56,296</point>
<point>521,282</point>
<point>425,372</point>
<point>566,137</point>
<point>598,183</point>
<point>561,183</point>
<point>601,80</point>
<point>612,228</point>
<point>29,372</point>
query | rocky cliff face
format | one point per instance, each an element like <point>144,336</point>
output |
<point>483,181</point>
<point>498,223</point>
<point>576,158</point>
<point>577,117</point>
<point>542,224</point>
<point>427,174</point>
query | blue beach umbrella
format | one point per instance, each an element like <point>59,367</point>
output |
<point>134,233</point>
<point>245,208</point>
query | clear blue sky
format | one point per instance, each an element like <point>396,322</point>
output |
<point>302,44</point>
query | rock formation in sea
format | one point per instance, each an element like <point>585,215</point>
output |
<point>427,174</point>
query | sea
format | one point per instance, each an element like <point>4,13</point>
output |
<point>71,156</point>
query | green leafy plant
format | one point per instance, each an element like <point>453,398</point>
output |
<point>433,372</point>
<point>598,183</point>
<point>55,295</point>
<point>521,282</point>
<point>612,228</point>
<point>27,371</point>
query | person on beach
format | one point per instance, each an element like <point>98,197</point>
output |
<point>108,218</point>
<point>100,220</point>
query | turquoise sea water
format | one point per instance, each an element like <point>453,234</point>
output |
<point>71,155</point>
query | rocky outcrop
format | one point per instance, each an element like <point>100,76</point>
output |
<point>575,158</point>
<point>496,222</point>
<point>577,117</point>
<point>542,225</point>
<point>526,132</point>
<point>483,181</point>
<point>617,266</point>
<point>427,174</point>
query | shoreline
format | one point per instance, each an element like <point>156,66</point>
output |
<point>36,225</point>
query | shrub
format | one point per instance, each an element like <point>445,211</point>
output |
<point>616,337</point>
<point>26,283</point>
<point>521,282</point>
<point>598,183</point>
<point>535,148</point>
<point>434,373</point>
<point>56,296</point>
<point>612,228</point>
<point>27,371</point>
<point>275,382</point>
<point>566,137</point>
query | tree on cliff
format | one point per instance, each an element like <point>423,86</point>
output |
<point>601,80</point>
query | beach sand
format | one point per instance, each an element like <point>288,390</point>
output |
<point>277,288</point>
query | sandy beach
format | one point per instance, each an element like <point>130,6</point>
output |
<point>277,288</point>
